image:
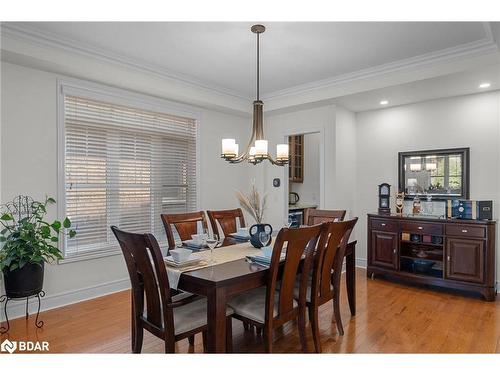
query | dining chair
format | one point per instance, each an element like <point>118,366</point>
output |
<point>227,220</point>
<point>324,285</point>
<point>269,307</point>
<point>313,216</point>
<point>170,318</point>
<point>185,224</point>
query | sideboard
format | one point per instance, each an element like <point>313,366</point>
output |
<point>449,253</point>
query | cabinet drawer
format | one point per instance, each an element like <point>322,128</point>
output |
<point>427,228</point>
<point>385,225</point>
<point>461,230</point>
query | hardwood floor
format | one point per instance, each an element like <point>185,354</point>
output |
<point>391,318</point>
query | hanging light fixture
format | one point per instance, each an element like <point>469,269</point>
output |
<point>257,148</point>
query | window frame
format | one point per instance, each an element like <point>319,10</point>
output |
<point>99,92</point>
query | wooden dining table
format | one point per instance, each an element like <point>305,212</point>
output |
<point>220,282</point>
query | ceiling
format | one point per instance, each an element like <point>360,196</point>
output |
<point>461,83</point>
<point>222,54</point>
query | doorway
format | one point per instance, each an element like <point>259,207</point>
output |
<point>304,175</point>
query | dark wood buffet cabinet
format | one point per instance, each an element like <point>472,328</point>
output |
<point>451,253</point>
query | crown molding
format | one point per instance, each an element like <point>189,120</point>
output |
<point>44,39</point>
<point>480,47</point>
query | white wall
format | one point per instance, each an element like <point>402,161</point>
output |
<point>337,157</point>
<point>308,190</point>
<point>467,121</point>
<point>29,166</point>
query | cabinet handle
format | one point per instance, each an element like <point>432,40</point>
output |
<point>420,228</point>
<point>448,258</point>
<point>382,224</point>
<point>394,251</point>
<point>464,230</point>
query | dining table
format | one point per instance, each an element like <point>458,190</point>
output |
<point>219,282</point>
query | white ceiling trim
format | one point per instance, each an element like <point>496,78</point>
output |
<point>480,47</point>
<point>44,38</point>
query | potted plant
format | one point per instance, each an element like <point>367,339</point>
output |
<point>260,233</point>
<point>28,241</point>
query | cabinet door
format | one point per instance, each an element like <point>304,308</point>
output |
<point>384,247</point>
<point>465,259</point>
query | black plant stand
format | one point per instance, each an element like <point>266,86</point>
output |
<point>6,298</point>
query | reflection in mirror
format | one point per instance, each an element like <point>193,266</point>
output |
<point>438,173</point>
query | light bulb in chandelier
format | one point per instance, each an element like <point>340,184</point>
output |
<point>282,152</point>
<point>261,148</point>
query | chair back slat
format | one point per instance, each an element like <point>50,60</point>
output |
<point>314,216</point>
<point>330,256</point>
<point>297,243</point>
<point>227,221</point>
<point>148,276</point>
<point>185,224</point>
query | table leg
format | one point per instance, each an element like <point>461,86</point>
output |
<point>351,278</point>
<point>216,320</point>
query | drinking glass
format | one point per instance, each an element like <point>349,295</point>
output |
<point>264,238</point>
<point>212,244</point>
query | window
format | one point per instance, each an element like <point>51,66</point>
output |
<point>124,166</point>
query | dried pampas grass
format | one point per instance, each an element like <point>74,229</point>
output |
<point>253,204</point>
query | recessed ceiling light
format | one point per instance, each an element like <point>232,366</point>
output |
<point>484,85</point>
<point>384,102</point>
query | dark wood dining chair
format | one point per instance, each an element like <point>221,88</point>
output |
<point>171,318</point>
<point>227,221</point>
<point>313,216</point>
<point>185,224</point>
<point>324,285</point>
<point>268,307</point>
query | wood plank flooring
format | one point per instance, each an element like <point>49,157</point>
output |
<point>391,318</point>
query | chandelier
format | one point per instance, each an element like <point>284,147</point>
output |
<point>256,150</point>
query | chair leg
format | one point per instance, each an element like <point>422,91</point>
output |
<point>268,340</point>
<point>169,346</point>
<point>302,330</point>
<point>246,326</point>
<point>137,336</point>
<point>313,318</point>
<point>191,340</point>
<point>338,318</point>
<point>258,331</point>
<point>229,335</point>
<point>205,340</point>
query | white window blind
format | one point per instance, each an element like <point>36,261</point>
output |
<point>124,166</point>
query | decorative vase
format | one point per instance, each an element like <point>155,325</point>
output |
<point>25,281</point>
<point>255,231</point>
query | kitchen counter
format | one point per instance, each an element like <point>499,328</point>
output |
<point>300,206</point>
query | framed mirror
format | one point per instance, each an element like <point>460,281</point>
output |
<point>442,174</point>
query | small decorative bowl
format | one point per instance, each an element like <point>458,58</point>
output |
<point>180,255</point>
<point>422,265</point>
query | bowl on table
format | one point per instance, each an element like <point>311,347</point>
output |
<point>180,255</point>
<point>242,232</point>
<point>198,239</point>
<point>267,251</point>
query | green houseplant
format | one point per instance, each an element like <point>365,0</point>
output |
<point>28,241</point>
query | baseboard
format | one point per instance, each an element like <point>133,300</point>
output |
<point>361,262</point>
<point>16,308</point>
